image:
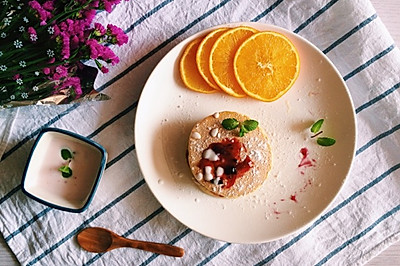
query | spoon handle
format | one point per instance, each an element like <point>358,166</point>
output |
<point>158,248</point>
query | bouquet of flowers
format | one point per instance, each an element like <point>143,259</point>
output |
<point>43,48</point>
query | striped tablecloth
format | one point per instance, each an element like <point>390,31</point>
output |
<point>360,223</point>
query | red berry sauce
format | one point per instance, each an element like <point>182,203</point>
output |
<point>228,152</point>
<point>305,161</point>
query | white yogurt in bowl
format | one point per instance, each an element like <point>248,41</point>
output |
<point>44,181</point>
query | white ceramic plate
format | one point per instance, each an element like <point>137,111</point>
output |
<point>292,196</point>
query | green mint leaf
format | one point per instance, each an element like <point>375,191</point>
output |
<point>325,141</point>
<point>317,126</point>
<point>65,170</point>
<point>66,154</point>
<point>242,131</point>
<point>230,123</point>
<point>250,125</point>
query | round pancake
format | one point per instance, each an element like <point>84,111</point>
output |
<point>254,144</point>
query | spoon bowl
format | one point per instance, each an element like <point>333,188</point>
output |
<point>100,240</point>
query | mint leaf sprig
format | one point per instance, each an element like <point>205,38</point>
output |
<point>65,170</point>
<point>322,141</point>
<point>317,126</point>
<point>245,127</point>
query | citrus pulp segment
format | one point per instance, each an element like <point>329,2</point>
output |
<point>266,65</point>
<point>203,55</point>
<point>222,56</point>
<point>189,72</point>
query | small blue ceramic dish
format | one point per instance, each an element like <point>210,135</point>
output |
<point>63,170</point>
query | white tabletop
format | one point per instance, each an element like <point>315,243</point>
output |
<point>388,11</point>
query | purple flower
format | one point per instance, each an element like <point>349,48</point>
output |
<point>32,34</point>
<point>98,51</point>
<point>46,70</point>
<point>60,72</point>
<point>71,83</point>
<point>74,42</point>
<point>95,4</point>
<point>65,50</point>
<point>66,39</point>
<point>31,30</point>
<point>48,5</point>
<point>108,4</point>
<point>109,56</point>
<point>104,69</point>
<point>88,15</point>
<point>43,13</point>
<point>99,29</point>
<point>93,48</point>
<point>118,35</point>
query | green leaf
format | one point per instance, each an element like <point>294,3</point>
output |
<point>230,123</point>
<point>325,141</point>
<point>66,154</point>
<point>242,131</point>
<point>65,170</point>
<point>250,125</point>
<point>317,126</point>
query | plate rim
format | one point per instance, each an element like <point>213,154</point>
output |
<point>271,28</point>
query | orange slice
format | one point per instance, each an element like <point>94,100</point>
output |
<point>222,56</point>
<point>266,65</point>
<point>189,72</point>
<point>203,55</point>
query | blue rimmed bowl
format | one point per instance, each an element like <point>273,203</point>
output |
<point>63,170</point>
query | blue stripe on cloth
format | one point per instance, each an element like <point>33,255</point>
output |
<point>172,242</point>
<point>315,16</point>
<point>30,136</point>
<point>377,138</point>
<point>9,194</point>
<point>378,98</point>
<point>266,11</point>
<point>208,13</point>
<point>120,156</point>
<point>213,255</point>
<point>44,212</point>
<point>130,231</point>
<point>27,224</point>
<point>135,104</point>
<point>112,120</point>
<point>329,213</point>
<point>97,131</point>
<point>86,222</point>
<point>369,62</point>
<point>162,45</point>
<point>5,155</point>
<point>148,218</point>
<point>58,117</point>
<point>147,15</point>
<point>349,33</point>
<point>361,234</point>
<point>332,46</point>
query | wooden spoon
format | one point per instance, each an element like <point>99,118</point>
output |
<point>99,240</point>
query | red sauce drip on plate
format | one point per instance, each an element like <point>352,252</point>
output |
<point>293,197</point>
<point>228,152</point>
<point>305,161</point>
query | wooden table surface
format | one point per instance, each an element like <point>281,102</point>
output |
<point>389,13</point>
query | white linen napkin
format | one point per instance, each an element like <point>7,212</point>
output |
<point>361,222</point>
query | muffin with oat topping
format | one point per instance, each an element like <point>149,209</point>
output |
<point>228,154</point>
